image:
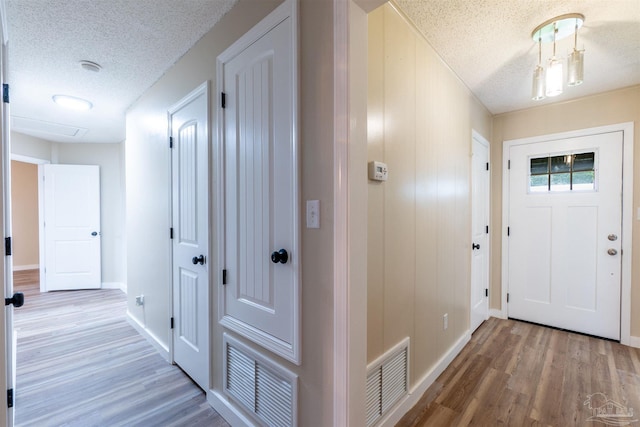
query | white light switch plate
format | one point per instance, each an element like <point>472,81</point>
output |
<point>313,213</point>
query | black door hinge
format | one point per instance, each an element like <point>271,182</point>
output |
<point>508,231</point>
<point>486,229</point>
<point>507,296</point>
<point>508,164</point>
<point>5,93</point>
<point>7,246</point>
<point>10,398</point>
<point>487,165</point>
<point>170,142</point>
<point>171,233</point>
<point>486,292</point>
<point>172,323</point>
<point>223,99</point>
<point>224,277</point>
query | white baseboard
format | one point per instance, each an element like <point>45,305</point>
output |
<point>227,410</point>
<point>26,267</point>
<point>409,401</point>
<point>499,314</point>
<point>634,341</point>
<point>153,340</point>
<point>115,285</point>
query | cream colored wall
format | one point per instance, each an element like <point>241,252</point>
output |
<point>24,213</point>
<point>604,109</point>
<point>30,146</point>
<point>420,122</point>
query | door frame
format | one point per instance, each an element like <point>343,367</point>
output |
<point>627,213</point>
<point>476,136</point>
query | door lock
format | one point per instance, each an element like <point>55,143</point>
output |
<point>198,260</point>
<point>280,256</point>
<point>612,252</point>
<point>612,237</point>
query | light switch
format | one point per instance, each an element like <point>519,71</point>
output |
<point>313,213</point>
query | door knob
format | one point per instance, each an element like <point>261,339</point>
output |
<point>94,233</point>
<point>475,246</point>
<point>198,260</point>
<point>17,300</point>
<point>612,252</point>
<point>612,237</point>
<point>280,256</point>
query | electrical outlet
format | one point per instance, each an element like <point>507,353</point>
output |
<point>140,300</point>
<point>445,321</point>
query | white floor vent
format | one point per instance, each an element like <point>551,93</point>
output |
<point>262,387</point>
<point>387,381</point>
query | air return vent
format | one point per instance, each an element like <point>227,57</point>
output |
<point>262,387</point>
<point>387,381</point>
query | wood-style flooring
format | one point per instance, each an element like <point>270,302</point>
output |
<point>518,374</point>
<point>80,363</point>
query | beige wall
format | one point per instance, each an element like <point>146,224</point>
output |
<point>604,109</point>
<point>24,213</point>
<point>420,122</point>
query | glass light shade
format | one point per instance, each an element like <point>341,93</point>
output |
<point>575,68</point>
<point>554,78</point>
<point>538,92</point>
<point>72,102</point>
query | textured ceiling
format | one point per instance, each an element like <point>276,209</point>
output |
<point>135,41</point>
<point>488,44</point>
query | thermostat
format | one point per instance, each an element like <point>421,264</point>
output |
<point>378,171</point>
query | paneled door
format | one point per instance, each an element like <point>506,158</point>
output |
<point>190,219</point>
<point>71,227</point>
<point>565,220</point>
<point>261,257</point>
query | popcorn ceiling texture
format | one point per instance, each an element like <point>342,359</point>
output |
<point>488,44</point>
<point>135,41</point>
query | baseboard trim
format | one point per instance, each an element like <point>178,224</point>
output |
<point>153,340</point>
<point>416,392</point>
<point>26,267</point>
<point>115,285</point>
<point>634,341</point>
<point>225,408</point>
<point>499,314</point>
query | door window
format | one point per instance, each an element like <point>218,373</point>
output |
<point>562,173</point>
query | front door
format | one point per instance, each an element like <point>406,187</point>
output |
<point>71,227</point>
<point>190,211</point>
<point>565,219</point>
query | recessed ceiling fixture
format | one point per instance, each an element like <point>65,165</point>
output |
<point>72,102</point>
<point>549,82</point>
<point>90,66</point>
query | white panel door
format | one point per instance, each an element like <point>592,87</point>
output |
<point>190,159</point>
<point>565,219</point>
<point>261,191</point>
<point>72,227</point>
<point>479,233</point>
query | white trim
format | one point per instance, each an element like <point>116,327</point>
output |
<point>416,392</point>
<point>627,212</point>
<point>498,314</point>
<point>26,267</point>
<point>115,285</point>
<point>29,159</point>
<point>227,410</point>
<point>634,342</point>
<point>41,240</point>
<point>341,303</point>
<point>149,336</point>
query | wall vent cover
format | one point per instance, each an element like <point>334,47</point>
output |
<point>387,381</point>
<point>262,387</point>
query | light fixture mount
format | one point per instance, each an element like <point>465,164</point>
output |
<point>90,66</point>
<point>562,26</point>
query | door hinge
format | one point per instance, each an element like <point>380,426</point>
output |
<point>5,93</point>
<point>507,296</point>
<point>10,398</point>
<point>508,164</point>
<point>487,165</point>
<point>486,229</point>
<point>170,142</point>
<point>486,292</point>
<point>508,231</point>
<point>223,99</point>
<point>224,277</point>
<point>172,323</point>
<point>7,246</point>
<point>171,233</point>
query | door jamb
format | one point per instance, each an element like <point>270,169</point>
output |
<point>627,213</point>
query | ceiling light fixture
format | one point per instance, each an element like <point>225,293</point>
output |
<point>72,102</point>
<point>549,82</point>
<point>90,66</point>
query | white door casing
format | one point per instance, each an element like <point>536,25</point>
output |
<point>258,76</point>
<point>564,269</point>
<point>190,245</point>
<point>479,231</point>
<point>72,227</point>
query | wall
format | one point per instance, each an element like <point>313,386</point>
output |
<point>24,213</point>
<point>420,122</point>
<point>148,186</point>
<point>603,109</point>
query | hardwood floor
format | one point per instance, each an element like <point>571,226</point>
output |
<point>79,363</point>
<point>518,374</point>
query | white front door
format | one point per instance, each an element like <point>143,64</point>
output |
<point>565,219</point>
<point>71,227</point>
<point>261,296</point>
<point>190,211</point>
<point>479,232</point>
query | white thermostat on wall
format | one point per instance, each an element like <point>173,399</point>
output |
<point>378,171</point>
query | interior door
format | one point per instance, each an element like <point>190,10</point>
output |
<point>72,227</point>
<point>261,296</point>
<point>190,211</point>
<point>480,232</point>
<point>565,219</point>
